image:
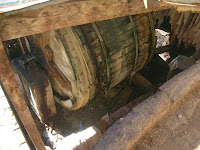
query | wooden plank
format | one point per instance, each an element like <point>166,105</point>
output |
<point>35,19</point>
<point>14,5</point>
<point>11,86</point>
<point>21,126</point>
<point>109,120</point>
<point>141,82</point>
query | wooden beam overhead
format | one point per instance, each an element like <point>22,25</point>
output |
<point>41,18</point>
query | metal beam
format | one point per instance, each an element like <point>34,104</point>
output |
<point>12,88</point>
<point>35,19</point>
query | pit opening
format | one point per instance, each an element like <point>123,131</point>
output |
<point>154,73</point>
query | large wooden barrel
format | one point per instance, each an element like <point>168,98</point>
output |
<point>97,56</point>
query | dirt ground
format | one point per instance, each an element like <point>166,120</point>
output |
<point>178,130</point>
<point>11,137</point>
<point>67,122</point>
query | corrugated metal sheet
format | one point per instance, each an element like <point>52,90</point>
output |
<point>10,5</point>
<point>182,2</point>
<point>4,3</point>
<point>182,5</point>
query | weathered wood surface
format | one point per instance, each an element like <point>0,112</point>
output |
<point>35,20</point>
<point>185,28</point>
<point>11,86</point>
<point>95,57</point>
<point>141,82</point>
